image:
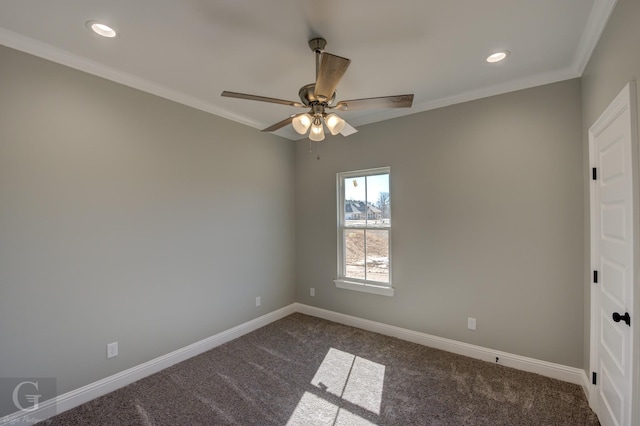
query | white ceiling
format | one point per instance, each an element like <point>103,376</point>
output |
<point>191,50</point>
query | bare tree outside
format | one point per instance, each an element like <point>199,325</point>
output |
<point>384,201</point>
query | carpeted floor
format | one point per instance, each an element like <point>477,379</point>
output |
<point>303,370</point>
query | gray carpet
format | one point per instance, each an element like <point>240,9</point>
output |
<point>303,370</point>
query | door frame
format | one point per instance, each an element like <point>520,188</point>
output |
<point>626,99</point>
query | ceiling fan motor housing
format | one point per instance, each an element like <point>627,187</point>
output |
<point>308,97</point>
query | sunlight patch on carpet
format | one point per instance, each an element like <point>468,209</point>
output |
<point>313,410</point>
<point>348,379</point>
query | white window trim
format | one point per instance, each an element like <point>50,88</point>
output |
<point>343,282</point>
<point>364,287</point>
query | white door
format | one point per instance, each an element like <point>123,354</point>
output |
<point>613,259</point>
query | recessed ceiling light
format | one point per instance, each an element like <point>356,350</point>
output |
<point>498,56</point>
<point>101,29</point>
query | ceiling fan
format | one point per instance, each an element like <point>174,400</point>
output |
<point>319,97</point>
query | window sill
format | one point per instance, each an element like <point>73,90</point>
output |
<point>366,288</point>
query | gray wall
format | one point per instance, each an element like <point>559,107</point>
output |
<point>126,217</point>
<point>487,207</point>
<point>615,62</point>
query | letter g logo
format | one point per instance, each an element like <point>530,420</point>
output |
<point>34,399</point>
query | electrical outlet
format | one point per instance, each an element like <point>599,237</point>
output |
<point>471,323</point>
<point>312,291</point>
<point>112,350</point>
<point>258,301</point>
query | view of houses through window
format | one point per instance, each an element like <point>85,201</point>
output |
<point>365,225</point>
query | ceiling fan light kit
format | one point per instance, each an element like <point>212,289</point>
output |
<point>301,123</point>
<point>319,97</point>
<point>317,131</point>
<point>334,123</point>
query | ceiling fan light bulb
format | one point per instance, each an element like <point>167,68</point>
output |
<point>334,123</point>
<point>317,132</point>
<point>301,123</point>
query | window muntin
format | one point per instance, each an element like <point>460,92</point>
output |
<point>364,227</point>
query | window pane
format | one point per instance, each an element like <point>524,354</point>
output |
<point>364,212</point>
<point>377,255</point>
<point>379,201</point>
<point>354,253</point>
<point>355,201</point>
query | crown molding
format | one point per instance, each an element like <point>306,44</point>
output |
<point>471,95</point>
<point>598,18</point>
<point>60,56</point>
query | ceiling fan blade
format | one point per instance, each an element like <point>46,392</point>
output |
<point>332,68</point>
<point>399,101</point>
<point>348,129</point>
<point>280,124</point>
<point>261,99</point>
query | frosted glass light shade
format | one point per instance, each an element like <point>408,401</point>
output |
<point>301,123</point>
<point>334,123</point>
<point>317,132</point>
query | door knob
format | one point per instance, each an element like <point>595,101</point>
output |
<point>626,318</point>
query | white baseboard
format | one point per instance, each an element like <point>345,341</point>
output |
<point>589,390</point>
<point>94,390</point>
<point>544,368</point>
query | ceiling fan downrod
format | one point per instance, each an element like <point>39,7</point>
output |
<point>317,46</point>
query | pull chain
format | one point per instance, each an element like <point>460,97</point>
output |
<point>318,150</point>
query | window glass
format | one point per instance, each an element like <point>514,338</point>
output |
<point>364,219</point>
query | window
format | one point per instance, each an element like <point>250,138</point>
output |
<point>364,231</point>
